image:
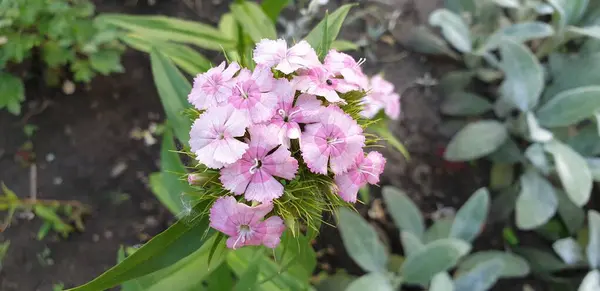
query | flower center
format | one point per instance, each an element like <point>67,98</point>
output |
<point>334,140</point>
<point>244,228</point>
<point>256,166</point>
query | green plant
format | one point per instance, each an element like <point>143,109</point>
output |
<point>58,33</point>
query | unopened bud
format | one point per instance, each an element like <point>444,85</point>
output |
<point>195,179</point>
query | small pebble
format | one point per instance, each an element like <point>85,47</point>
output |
<point>151,221</point>
<point>118,169</point>
<point>57,180</point>
<point>95,238</point>
<point>50,157</point>
<point>108,234</point>
<point>68,87</point>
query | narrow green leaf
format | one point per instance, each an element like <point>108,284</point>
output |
<point>333,26</point>
<point>465,104</point>
<point>220,279</point>
<point>476,140</point>
<point>325,40</point>
<point>470,218</point>
<point>405,213</point>
<point>593,247</point>
<point>383,131</point>
<point>249,279</point>
<point>435,257</point>
<point>570,107</point>
<point>173,89</point>
<point>514,266</point>
<point>254,21</point>
<point>343,45</point>
<point>272,8</point>
<point>573,171</point>
<point>361,241</point>
<point>537,201</point>
<point>482,277</point>
<point>454,29</point>
<point>372,282</point>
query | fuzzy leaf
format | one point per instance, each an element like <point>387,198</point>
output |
<point>593,247</point>
<point>570,107</point>
<point>519,32</point>
<point>423,40</point>
<point>476,140</point>
<point>454,29</point>
<point>361,241</point>
<point>568,250</point>
<point>372,282</point>
<point>537,201</point>
<point>573,171</point>
<point>435,257</point>
<point>465,104</point>
<point>403,210</point>
<point>439,230</point>
<point>482,277</point>
<point>514,266</point>
<point>470,218</point>
<point>441,282</point>
<point>591,282</point>
<point>411,244</point>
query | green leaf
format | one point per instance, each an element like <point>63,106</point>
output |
<point>454,29</point>
<point>591,282</point>
<point>465,104</point>
<point>82,71</point>
<point>476,140</point>
<point>524,76</point>
<point>106,62</point>
<point>501,176</point>
<point>439,230</point>
<point>482,277</point>
<point>254,21</point>
<point>220,279</point>
<point>508,3</point>
<point>383,131</point>
<point>535,132</point>
<point>173,89</point>
<point>503,205</point>
<point>435,257</point>
<point>456,81</point>
<point>570,11</point>
<point>537,201</point>
<point>573,171</point>
<point>272,8</point>
<point>361,241</point>
<point>229,27</point>
<point>590,31</point>
<point>167,248</point>
<point>470,218</point>
<point>571,215</point>
<point>344,45</point>
<point>518,32</point>
<point>514,266</point>
<point>540,261</point>
<point>570,107</point>
<point>56,55</point>
<point>441,282</point>
<point>297,253</point>
<point>336,282</point>
<point>593,247</point>
<point>403,210</point>
<point>568,250</point>
<point>572,72</point>
<point>423,40</point>
<point>372,282</point>
<point>187,58</point>
<point>332,26</point>
<point>325,41</point>
<point>249,279</point>
<point>461,6</point>
<point>411,244</point>
<point>170,29</point>
<point>12,93</point>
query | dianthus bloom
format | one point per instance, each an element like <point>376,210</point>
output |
<point>254,174</point>
<point>365,170</point>
<point>276,135</point>
<point>244,225</point>
<point>336,139</point>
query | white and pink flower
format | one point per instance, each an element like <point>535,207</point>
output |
<point>365,170</point>
<point>380,96</point>
<point>276,53</point>
<point>289,114</point>
<point>213,87</point>
<point>254,93</point>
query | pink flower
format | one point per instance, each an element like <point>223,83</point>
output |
<point>381,96</point>
<point>344,65</point>
<point>213,136</point>
<point>288,115</point>
<point>213,87</point>
<point>254,174</point>
<point>366,170</point>
<point>253,93</point>
<point>244,225</point>
<point>319,81</point>
<point>275,53</point>
<point>336,139</point>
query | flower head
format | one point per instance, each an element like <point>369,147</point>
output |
<point>365,170</point>
<point>321,82</point>
<point>254,174</point>
<point>244,225</point>
<point>254,93</point>
<point>289,114</point>
<point>344,65</point>
<point>213,136</point>
<point>213,87</point>
<point>335,140</point>
<point>276,53</point>
<point>381,96</point>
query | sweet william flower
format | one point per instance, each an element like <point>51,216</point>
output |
<point>365,170</point>
<point>380,96</point>
<point>335,140</point>
<point>255,93</point>
<point>213,87</point>
<point>244,224</point>
<point>276,53</point>
<point>344,65</point>
<point>254,174</point>
<point>321,82</point>
<point>213,136</point>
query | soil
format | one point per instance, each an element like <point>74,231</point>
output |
<point>88,134</point>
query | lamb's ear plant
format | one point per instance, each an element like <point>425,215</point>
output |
<point>60,39</point>
<point>436,258</point>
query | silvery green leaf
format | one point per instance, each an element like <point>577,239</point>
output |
<point>454,29</point>
<point>508,3</point>
<point>570,107</point>
<point>410,243</point>
<point>481,278</point>
<point>456,81</point>
<point>434,258</point>
<point>439,230</point>
<point>471,217</point>
<point>404,212</point>
<point>544,9</point>
<point>508,152</point>
<point>573,171</point>
<point>594,165</point>
<point>519,32</point>
<point>465,104</point>
<point>361,241</point>
<point>597,117</point>
<point>586,141</point>
<point>591,282</point>
<point>570,11</point>
<point>541,261</point>
<point>461,6</point>
<point>537,202</point>
<point>489,75</point>
<point>371,281</point>
<point>524,76</point>
<point>568,250</point>
<point>572,215</point>
<point>514,266</point>
<point>536,132</point>
<point>593,247</point>
<point>590,31</point>
<point>536,154</point>
<point>503,205</point>
<point>422,40</point>
<point>573,72</point>
<point>441,282</point>
<point>476,140</point>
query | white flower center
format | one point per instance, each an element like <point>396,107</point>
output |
<point>256,166</point>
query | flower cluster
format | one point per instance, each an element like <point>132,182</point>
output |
<point>260,129</point>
